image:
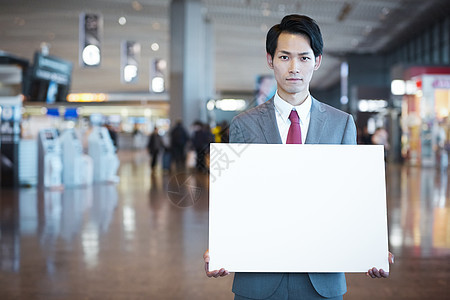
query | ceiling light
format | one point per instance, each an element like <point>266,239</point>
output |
<point>136,5</point>
<point>372,105</point>
<point>91,55</point>
<point>161,64</point>
<point>156,25</point>
<point>129,73</point>
<point>155,47</point>
<point>410,87</point>
<point>158,84</point>
<point>398,87</point>
<point>122,21</point>
<point>210,105</point>
<point>86,97</point>
<point>45,48</point>
<point>344,69</point>
<point>230,104</point>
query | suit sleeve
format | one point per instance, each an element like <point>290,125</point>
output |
<point>236,135</point>
<point>349,137</point>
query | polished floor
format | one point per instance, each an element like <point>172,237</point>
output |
<point>139,240</point>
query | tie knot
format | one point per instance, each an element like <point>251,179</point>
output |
<point>294,117</point>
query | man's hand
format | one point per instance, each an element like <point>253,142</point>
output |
<point>216,273</point>
<point>375,273</point>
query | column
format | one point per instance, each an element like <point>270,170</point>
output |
<point>190,61</point>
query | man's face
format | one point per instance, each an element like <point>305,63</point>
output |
<point>293,65</point>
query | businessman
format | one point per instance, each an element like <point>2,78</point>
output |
<point>292,116</point>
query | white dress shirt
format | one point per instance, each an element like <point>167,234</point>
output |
<point>282,112</point>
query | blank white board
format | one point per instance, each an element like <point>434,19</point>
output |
<point>297,208</point>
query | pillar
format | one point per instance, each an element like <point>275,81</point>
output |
<point>191,61</point>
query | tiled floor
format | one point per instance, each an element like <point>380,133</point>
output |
<point>129,241</point>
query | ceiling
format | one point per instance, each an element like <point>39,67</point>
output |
<point>240,26</point>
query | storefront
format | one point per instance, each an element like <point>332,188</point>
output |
<point>425,122</point>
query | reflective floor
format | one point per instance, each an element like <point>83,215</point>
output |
<point>139,240</point>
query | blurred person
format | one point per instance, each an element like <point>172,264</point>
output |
<point>197,141</point>
<point>381,137</point>
<point>178,141</point>
<point>113,134</point>
<point>443,144</point>
<point>209,139</point>
<point>167,152</point>
<point>216,132</point>
<point>294,52</point>
<point>365,138</point>
<point>136,130</point>
<point>154,146</point>
<point>137,137</point>
<point>224,132</point>
<point>201,139</point>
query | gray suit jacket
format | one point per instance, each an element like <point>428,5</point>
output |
<point>258,125</point>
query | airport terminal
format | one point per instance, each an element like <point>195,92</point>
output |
<point>109,108</point>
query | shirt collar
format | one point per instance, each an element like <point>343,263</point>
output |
<point>284,108</point>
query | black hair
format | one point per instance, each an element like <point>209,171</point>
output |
<point>295,24</point>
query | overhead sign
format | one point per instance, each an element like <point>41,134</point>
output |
<point>129,56</point>
<point>91,28</point>
<point>52,69</point>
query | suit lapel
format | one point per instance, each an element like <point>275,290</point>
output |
<point>268,123</point>
<point>316,123</point>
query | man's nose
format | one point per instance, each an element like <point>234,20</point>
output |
<point>294,66</point>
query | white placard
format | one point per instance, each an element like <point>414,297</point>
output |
<point>297,208</point>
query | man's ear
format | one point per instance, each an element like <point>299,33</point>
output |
<point>317,63</point>
<point>269,60</point>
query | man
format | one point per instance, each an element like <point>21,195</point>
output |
<point>178,140</point>
<point>154,146</point>
<point>201,139</point>
<point>294,52</point>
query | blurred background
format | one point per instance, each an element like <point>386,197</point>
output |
<point>108,108</point>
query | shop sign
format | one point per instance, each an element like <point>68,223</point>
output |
<point>441,83</point>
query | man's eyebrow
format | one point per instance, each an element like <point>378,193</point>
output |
<point>301,53</point>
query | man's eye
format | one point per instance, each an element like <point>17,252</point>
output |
<point>305,58</point>
<point>284,57</point>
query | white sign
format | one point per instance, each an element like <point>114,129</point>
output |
<point>297,208</point>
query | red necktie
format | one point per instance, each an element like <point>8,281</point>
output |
<point>295,133</point>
